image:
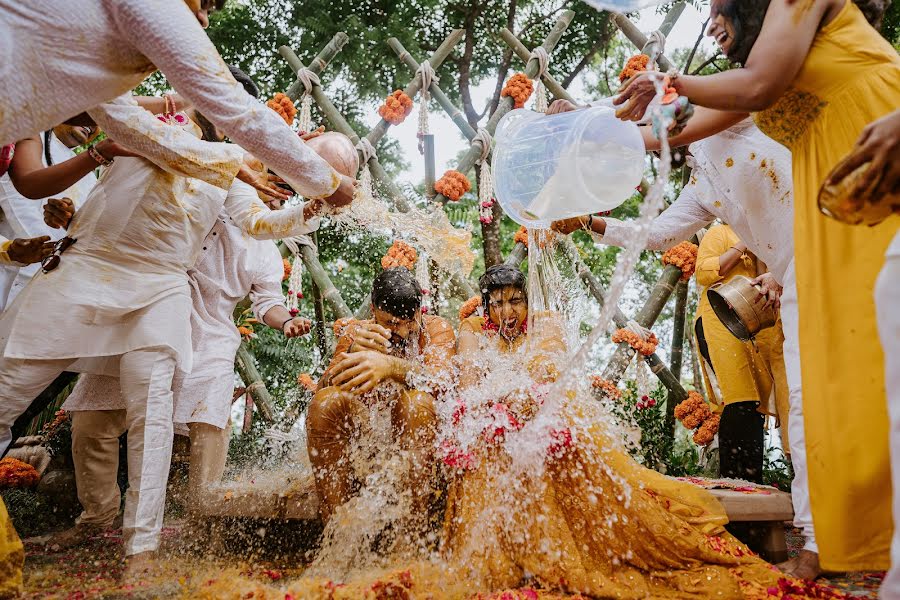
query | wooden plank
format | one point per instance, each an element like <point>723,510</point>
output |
<point>740,506</point>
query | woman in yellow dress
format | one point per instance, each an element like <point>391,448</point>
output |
<point>816,73</point>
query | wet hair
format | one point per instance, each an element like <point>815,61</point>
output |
<point>210,134</point>
<point>396,292</point>
<point>498,277</point>
<point>747,18</point>
<point>242,78</point>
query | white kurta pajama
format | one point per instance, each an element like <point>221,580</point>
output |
<point>123,298</point>
<point>743,178</point>
<point>63,58</point>
<point>24,218</point>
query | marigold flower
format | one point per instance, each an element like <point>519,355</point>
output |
<point>340,325</point>
<point>284,106</point>
<point>644,347</point>
<point>305,380</point>
<point>545,237</point>
<point>469,307</point>
<point>15,473</point>
<point>400,254</point>
<point>287,269</point>
<point>636,64</point>
<point>519,88</point>
<point>396,107</point>
<point>453,185</point>
<point>607,387</point>
<point>683,256</point>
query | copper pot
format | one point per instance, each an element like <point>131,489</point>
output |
<point>337,149</point>
<point>836,201</point>
<point>741,307</point>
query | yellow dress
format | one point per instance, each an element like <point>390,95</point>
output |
<point>850,77</point>
<point>12,557</point>
<point>745,371</point>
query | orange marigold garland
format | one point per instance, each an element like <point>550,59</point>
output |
<point>340,325</point>
<point>453,185</point>
<point>636,64</point>
<point>469,307</point>
<point>400,254</point>
<point>683,256</point>
<point>694,413</point>
<point>284,106</point>
<point>607,387</point>
<point>396,107</point>
<point>287,269</point>
<point>644,347</point>
<point>545,237</point>
<point>15,473</point>
<point>306,381</point>
<point>519,88</point>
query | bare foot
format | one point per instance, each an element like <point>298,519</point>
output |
<point>138,567</point>
<point>804,566</point>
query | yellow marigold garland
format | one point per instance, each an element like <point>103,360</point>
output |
<point>683,256</point>
<point>453,185</point>
<point>400,254</point>
<point>469,307</point>
<point>396,107</point>
<point>519,88</point>
<point>644,347</point>
<point>15,473</point>
<point>284,106</point>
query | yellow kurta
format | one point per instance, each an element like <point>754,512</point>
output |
<point>12,557</point>
<point>850,78</point>
<point>745,371</point>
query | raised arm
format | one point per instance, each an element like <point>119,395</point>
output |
<point>717,257</point>
<point>169,35</point>
<point>704,123</point>
<point>252,215</point>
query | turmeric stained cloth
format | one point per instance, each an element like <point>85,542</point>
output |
<point>850,78</point>
<point>12,557</point>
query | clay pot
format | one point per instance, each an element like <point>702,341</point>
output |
<point>337,149</point>
<point>835,201</point>
<point>741,307</point>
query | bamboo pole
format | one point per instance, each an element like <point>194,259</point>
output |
<point>436,92</point>
<point>39,404</point>
<point>319,309</point>
<point>677,356</point>
<point>671,17</point>
<point>518,254</point>
<point>318,64</point>
<point>246,368</point>
<point>320,277</point>
<point>637,38</point>
<point>430,168</point>
<point>506,103</point>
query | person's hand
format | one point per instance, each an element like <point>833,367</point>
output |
<point>58,212</point>
<point>313,134</point>
<point>313,208</point>
<point>769,288</point>
<point>360,372</point>
<point>562,106</point>
<point>636,94</point>
<point>30,250</point>
<point>570,225</point>
<point>344,194</point>
<point>296,327</point>
<point>260,180</point>
<point>110,149</point>
<point>879,145</point>
<point>371,336</point>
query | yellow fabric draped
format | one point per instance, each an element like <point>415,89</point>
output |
<point>850,78</point>
<point>12,557</point>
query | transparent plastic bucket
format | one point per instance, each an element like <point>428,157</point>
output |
<point>622,6</point>
<point>551,167</point>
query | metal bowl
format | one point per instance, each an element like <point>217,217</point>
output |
<point>836,201</point>
<point>741,307</point>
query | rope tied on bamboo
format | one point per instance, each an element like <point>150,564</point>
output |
<point>655,46</point>
<point>426,73</point>
<point>309,79</point>
<point>367,152</point>
<point>541,102</point>
<point>485,180</point>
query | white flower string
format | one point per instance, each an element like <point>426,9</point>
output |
<point>485,180</point>
<point>426,72</point>
<point>541,102</point>
<point>308,79</point>
<point>295,281</point>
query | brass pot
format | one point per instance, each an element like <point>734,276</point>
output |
<point>337,149</point>
<point>836,201</point>
<point>741,307</point>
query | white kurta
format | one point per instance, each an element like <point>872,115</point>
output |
<point>63,58</point>
<point>740,176</point>
<point>231,265</point>
<point>24,218</point>
<point>124,286</point>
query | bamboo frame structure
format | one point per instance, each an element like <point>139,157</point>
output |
<point>677,354</point>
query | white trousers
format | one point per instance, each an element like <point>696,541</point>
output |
<point>796,436</point>
<point>887,307</point>
<point>146,380</point>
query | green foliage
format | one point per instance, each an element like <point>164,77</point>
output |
<point>777,471</point>
<point>32,514</point>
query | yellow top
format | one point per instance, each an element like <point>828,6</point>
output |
<point>715,243</point>
<point>850,78</point>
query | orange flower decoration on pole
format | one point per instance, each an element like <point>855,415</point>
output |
<point>400,254</point>
<point>636,64</point>
<point>683,256</point>
<point>306,381</point>
<point>453,185</point>
<point>519,88</point>
<point>287,269</point>
<point>606,386</point>
<point>396,107</point>
<point>469,307</point>
<point>694,413</point>
<point>15,473</point>
<point>284,106</point>
<point>545,237</point>
<point>644,347</point>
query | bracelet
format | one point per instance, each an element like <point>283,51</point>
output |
<point>590,223</point>
<point>286,321</point>
<point>99,158</point>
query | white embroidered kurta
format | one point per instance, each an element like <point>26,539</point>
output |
<point>740,176</point>
<point>24,218</point>
<point>231,265</point>
<point>63,58</point>
<point>123,285</point>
